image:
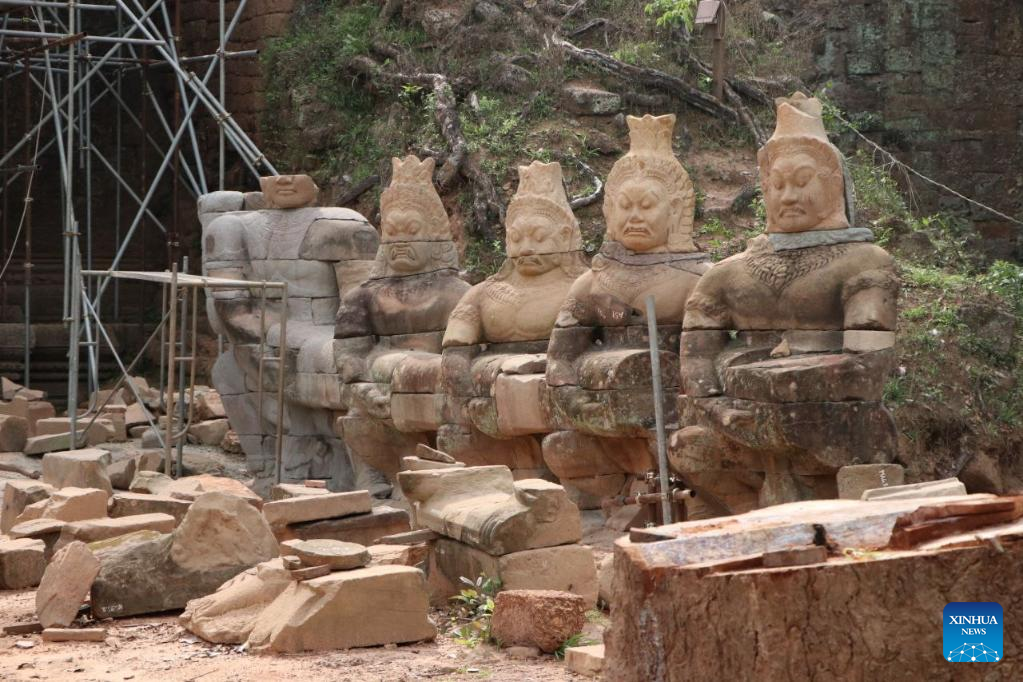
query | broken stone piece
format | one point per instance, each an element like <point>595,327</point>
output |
<point>74,635</point>
<point>585,660</point>
<point>18,495</point>
<point>364,607</point>
<point>65,585</point>
<point>22,562</point>
<point>220,536</point>
<point>486,508</point>
<point>99,431</point>
<point>400,555</point>
<point>335,554</point>
<point>122,473</point>
<point>151,483</point>
<point>944,488</point>
<point>316,507</point>
<point>227,615</point>
<point>545,619</point>
<point>210,432</point>
<point>85,468</point>
<point>285,491</point>
<point>13,433</point>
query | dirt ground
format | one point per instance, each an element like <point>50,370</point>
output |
<point>157,648</point>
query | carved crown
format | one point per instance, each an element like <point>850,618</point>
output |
<point>542,191</point>
<point>412,188</point>
<point>650,157</point>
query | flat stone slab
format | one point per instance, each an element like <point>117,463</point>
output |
<point>17,496</point>
<point>65,584</point>
<point>335,554</point>
<point>314,508</point>
<point>93,530</point>
<point>585,660</point>
<point>363,529</point>
<point>131,504</point>
<point>37,528</point>
<point>286,491</point>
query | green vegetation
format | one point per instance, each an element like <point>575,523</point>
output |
<point>578,639</point>
<point>473,609</point>
<point>673,12</point>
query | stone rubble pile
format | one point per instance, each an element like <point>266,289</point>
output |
<point>525,533</point>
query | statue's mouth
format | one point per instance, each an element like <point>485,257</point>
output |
<point>792,212</point>
<point>641,230</point>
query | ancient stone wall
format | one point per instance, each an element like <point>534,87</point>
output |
<point>942,76</point>
<point>261,21</point>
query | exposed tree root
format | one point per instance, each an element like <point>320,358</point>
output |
<point>487,208</point>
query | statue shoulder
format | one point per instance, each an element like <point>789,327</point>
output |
<point>339,234</point>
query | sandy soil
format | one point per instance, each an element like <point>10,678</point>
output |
<point>156,648</point>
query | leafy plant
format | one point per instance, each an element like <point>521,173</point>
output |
<point>473,610</point>
<point>578,639</point>
<point>671,13</point>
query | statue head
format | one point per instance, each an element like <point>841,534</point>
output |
<point>288,191</point>
<point>414,227</point>
<point>540,224</point>
<point>801,172</point>
<point>649,199</point>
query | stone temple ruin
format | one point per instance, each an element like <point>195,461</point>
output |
<point>436,432</point>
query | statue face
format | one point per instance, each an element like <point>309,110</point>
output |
<point>407,257</point>
<point>641,215</point>
<point>401,224</point>
<point>531,240</point>
<point>796,196</point>
<point>288,191</point>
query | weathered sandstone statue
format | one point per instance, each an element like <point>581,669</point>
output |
<point>496,341</point>
<point>787,345</point>
<point>598,363</point>
<point>280,235</point>
<point>387,338</point>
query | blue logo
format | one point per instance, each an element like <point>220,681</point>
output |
<point>972,632</point>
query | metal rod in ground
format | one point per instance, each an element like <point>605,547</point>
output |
<point>181,379</point>
<point>168,441</point>
<point>279,445</point>
<point>655,371</point>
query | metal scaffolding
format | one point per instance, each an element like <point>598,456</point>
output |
<point>58,60</point>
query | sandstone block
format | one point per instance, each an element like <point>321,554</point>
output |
<point>364,607</point>
<point>867,341</point>
<point>400,555</point>
<point>78,468</point>
<point>76,504</point>
<point>286,491</point>
<point>855,479</point>
<point>122,473</point>
<point>486,508</point>
<point>65,585</point>
<point>420,464</point>
<point>22,563</point>
<point>100,430</point>
<point>17,496</point>
<point>541,618</point>
<point>40,445</point>
<point>335,554</point>
<point>209,406</point>
<point>316,507</point>
<point>130,504</point>
<point>227,615</point>
<point>74,635</point>
<point>13,433</point>
<point>585,660</point>
<point>191,487</point>
<point>590,101</point>
<point>566,568</point>
<point>210,432</point>
<point>220,536</point>
<point>151,483</point>
<point>94,530</point>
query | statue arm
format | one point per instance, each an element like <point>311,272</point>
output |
<point>870,299</point>
<point>353,336</point>
<point>226,256</point>
<point>704,337</point>
<point>572,334</point>
<point>465,324</point>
